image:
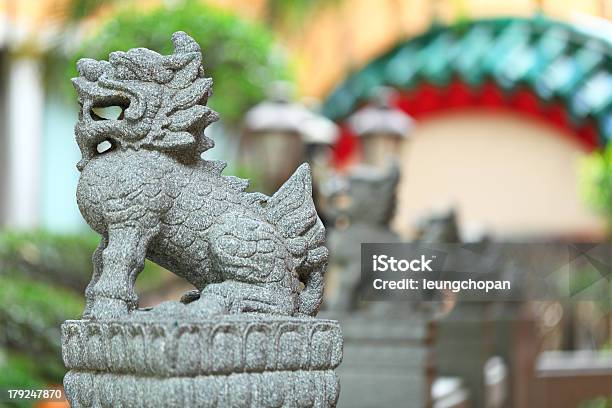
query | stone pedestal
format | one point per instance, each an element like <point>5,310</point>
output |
<point>231,361</point>
<point>464,343</point>
<point>386,361</point>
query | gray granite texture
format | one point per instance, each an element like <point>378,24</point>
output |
<point>235,361</point>
<point>151,196</point>
<point>247,335</point>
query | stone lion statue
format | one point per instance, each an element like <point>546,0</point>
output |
<point>150,195</point>
<point>361,204</point>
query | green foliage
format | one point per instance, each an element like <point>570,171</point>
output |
<point>78,9</point>
<point>240,56</point>
<point>597,181</point>
<point>293,12</point>
<point>33,305</point>
<point>38,303</point>
<point>19,372</point>
<point>30,318</point>
<point>60,259</point>
<point>601,402</point>
<point>63,260</point>
<point>42,278</point>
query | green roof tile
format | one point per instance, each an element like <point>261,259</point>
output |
<point>556,60</point>
<point>472,50</point>
<point>401,68</point>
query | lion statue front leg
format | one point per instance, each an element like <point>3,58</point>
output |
<point>117,262</point>
<point>97,271</point>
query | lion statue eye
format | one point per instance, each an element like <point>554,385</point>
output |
<point>114,112</point>
<point>104,146</point>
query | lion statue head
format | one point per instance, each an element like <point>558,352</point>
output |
<point>162,99</point>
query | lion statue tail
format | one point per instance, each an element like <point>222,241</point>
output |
<point>293,211</point>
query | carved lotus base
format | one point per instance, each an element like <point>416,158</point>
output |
<point>233,361</point>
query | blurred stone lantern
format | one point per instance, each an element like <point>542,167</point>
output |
<point>319,134</point>
<point>279,125</point>
<point>272,127</point>
<point>381,129</point>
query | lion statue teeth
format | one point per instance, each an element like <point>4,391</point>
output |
<point>150,195</point>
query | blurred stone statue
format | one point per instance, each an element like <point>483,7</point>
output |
<point>386,342</point>
<point>439,227</point>
<point>465,320</point>
<point>257,262</point>
<point>360,206</point>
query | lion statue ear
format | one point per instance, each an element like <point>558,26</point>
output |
<point>184,44</point>
<point>186,60</point>
<point>92,69</point>
<point>184,128</point>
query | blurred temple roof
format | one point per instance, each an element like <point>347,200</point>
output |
<point>556,62</point>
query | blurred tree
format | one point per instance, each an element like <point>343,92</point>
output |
<point>79,9</point>
<point>60,260</point>
<point>597,181</point>
<point>32,313</point>
<point>240,56</point>
<point>42,277</point>
<point>30,319</point>
<point>292,12</point>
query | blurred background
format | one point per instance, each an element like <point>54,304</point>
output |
<point>497,115</point>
